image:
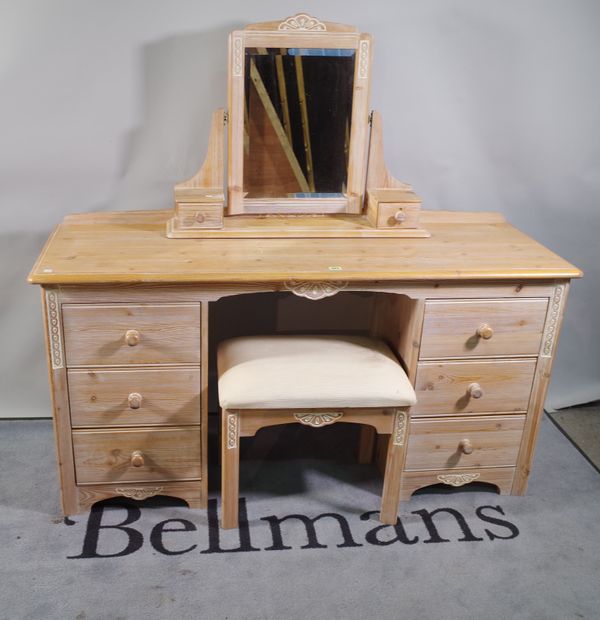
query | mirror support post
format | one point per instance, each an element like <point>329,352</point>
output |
<point>199,201</point>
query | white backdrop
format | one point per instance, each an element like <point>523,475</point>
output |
<point>487,105</point>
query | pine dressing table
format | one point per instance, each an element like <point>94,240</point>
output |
<point>472,306</point>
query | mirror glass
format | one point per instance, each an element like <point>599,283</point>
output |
<point>297,120</point>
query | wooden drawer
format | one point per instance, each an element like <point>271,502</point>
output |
<point>492,441</point>
<point>398,215</point>
<point>482,386</point>
<point>501,477</point>
<point>200,215</point>
<point>393,208</point>
<point>120,334</point>
<point>161,454</point>
<point>461,328</point>
<point>128,397</point>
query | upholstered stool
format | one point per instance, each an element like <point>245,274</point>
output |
<point>313,380</point>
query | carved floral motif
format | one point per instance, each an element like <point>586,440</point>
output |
<point>302,21</point>
<point>363,59</point>
<point>318,419</point>
<point>399,428</point>
<point>56,349</point>
<point>232,430</point>
<point>552,322</point>
<point>315,290</point>
<point>457,480</point>
<point>139,492</point>
<point>238,56</point>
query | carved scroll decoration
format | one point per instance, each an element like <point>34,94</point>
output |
<point>238,57</point>
<point>399,428</point>
<point>232,430</point>
<point>54,335</point>
<point>315,290</point>
<point>318,419</point>
<point>363,60</point>
<point>457,480</point>
<point>139,492</point>
<point>302,21</point>
<point>552,320</point>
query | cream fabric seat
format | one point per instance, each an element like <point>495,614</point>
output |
<point>269,372</point>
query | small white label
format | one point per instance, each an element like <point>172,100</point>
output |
<point>335,268</point>
<point>48,270</point>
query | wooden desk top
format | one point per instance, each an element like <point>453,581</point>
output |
<point>131,247</point>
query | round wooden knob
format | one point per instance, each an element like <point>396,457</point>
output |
<point>137,458</point>
<point>475,390</point>
<point>200,218</point>
<point>134,400</point>
<point>132,337</point>
<point>485,331</point>
<point>400,216</point>
<point>465,446</point>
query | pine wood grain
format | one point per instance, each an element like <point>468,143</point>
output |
<point>204,368</point>
<point>554,321</point>
<point>230,469</point>
<point>501,477</point>
<point>95,334</point>
<point>252,420</point>
<point>435,444</point>
<point>106,455</point>
<point>398,320</point>
<point>174,293</point>
<point>443,387</point>
<point>236,423</point>
<point>450,328</point>
<point>100,397</point>
<point>190,492</point>
<point>333,226</point>
<point>57,378</point>
<point>133,248</point>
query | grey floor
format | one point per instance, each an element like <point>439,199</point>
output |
<point>582,426</point>
<point>532,557</point>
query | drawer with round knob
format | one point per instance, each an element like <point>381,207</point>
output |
<point>393,208</point>
<point>491,441</point>
<point>122,334</point>
<point>200,215</point>
<point>501,327</point>
<point>130,397</point>
<point>481,386</point>
<point>137,455</point>
<point>398,215</point>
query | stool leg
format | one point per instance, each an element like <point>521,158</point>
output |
<point>230,469</point>
<point>366,444</point>
<point>394,465</point>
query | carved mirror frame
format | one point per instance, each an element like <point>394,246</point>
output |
<point>299,31</point>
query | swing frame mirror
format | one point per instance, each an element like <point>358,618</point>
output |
<point>303,32</point>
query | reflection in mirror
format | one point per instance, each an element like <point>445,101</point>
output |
<point>297,120</point>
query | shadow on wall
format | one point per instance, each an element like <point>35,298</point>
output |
<point>24,388</point>
<point>183,79</point>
